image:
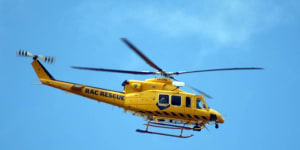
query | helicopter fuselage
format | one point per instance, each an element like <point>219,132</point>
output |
<point>143,98</point>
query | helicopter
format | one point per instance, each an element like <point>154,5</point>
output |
<point>160,101</point>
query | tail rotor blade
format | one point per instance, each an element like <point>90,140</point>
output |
<point>46,59</point>
<point>24,53</point>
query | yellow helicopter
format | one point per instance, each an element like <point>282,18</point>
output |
<point>158,100</point>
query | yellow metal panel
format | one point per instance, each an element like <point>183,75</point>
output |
<point>40,71</point>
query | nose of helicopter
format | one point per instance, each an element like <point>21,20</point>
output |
<point>220,119</point>
<point>216,116</point>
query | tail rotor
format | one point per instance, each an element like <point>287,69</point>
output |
<point>46,59</point>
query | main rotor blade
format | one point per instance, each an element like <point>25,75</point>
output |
<point>221,69</point>
<point>195,89</point>
<point>145,58</point>
<point>199,91</point>
<point>115,70</point>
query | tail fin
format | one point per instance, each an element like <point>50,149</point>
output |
<point>40,70</point>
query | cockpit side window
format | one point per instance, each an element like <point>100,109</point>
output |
<point>200,104</point>
<point>163,99</point>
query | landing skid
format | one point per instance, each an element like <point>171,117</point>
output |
<point>164,134</point>
<point>166,126</point>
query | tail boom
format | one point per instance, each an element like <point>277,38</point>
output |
<point>98,94</point>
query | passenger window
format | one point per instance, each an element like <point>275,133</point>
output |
<point>176,100</point>
<point>187,102</point>
<point>163,99</point>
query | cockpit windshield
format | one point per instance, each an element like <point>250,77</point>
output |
<point>200,104</point>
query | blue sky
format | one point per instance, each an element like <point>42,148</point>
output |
<point>260,107</point>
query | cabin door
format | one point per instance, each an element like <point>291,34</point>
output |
<point>189,105</point>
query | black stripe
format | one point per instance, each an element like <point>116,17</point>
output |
<point>173,114</point>
<point>181,115</point>
<point>157,112</point>
<point>51,77</point>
